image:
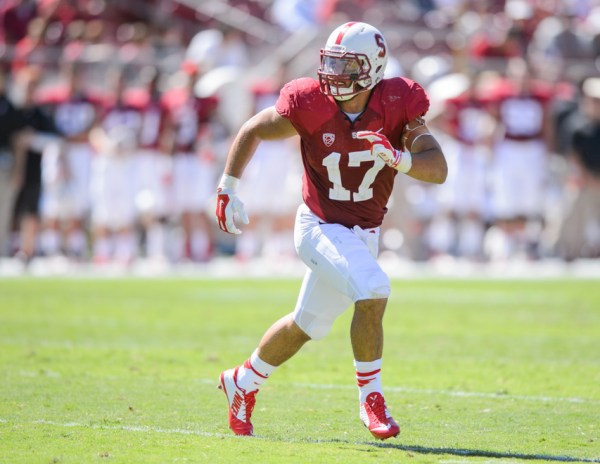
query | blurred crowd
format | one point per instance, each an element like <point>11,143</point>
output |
<point>116,118</point>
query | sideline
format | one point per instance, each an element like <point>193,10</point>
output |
<point>291,267</point>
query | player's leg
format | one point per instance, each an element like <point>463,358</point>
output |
<point>240,384</point>
<point>53,185</point>
<point>367,344</point>
<point>344,261</point>
<point>342,269</point>
<point>533,194</point>
<point>366,330</point>
<point>347,262</point>
<point>79,158</point>
<point>27,217</point>
<point>472,202</point>
<point>279,343</point>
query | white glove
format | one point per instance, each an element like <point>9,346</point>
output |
<point>230,209</point>
<point>381,147</point>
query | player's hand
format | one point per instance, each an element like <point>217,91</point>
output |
<point>230,210</point>
<point>381,147</point>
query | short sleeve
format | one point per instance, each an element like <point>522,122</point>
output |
<point>418,102</point>
<point>287,100</point>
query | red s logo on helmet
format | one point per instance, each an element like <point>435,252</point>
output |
<point>379,40</point>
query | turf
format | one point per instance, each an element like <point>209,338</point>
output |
<point>124,371</point>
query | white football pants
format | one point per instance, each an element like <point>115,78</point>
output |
<point>342,269</point>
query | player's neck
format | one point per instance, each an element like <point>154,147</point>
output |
<point>356,104</point>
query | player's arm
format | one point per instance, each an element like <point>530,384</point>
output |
<point>423,158</point>
<point>265,125</point>
<point>428,160</point>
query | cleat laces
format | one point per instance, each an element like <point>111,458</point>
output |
<point>377,404</point>
<point>249,402</point>
<point>242,405</point>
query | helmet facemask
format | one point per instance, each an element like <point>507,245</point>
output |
<point>343,75</point>
<point>353,61</point>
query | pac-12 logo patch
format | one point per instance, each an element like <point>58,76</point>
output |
<point>328,139</point>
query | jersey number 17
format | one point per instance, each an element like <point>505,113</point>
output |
<point>355,158</point>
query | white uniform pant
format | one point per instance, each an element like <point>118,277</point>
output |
<point>66,195</point>
<point>342,269</point>
<point>519,173</point>
<point>465,190</point>
<point>112,189</point>
<point>193,183</point>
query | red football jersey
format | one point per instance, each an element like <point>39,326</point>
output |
<point>342,183</point>
<point>466,118</point>
<point>152,125</point>
<point>74,113</point>
<point>152,112</point>
<point>522,112</point>
<point>185,114</point>
<point>121,114</point>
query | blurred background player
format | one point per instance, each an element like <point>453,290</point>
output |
<point>458,228</point>
<point>520,162</point>
<point>193,166</point>
<point>430,40</point>
<point>113,179</point>
<point>153,168</point>
<point>44,137</point>
<point>66,180</point>
<point>13,142</point>
<point>580,234</point>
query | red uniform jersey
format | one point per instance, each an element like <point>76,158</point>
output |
<point>122,114</point>
<point>466,118</point>
<point>74,114</point>
<point>185,115</point>
<point>152,113</point>
<point>342,183</point>
<point>522,113</point>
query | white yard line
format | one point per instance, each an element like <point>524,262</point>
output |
<point>129,428</point>
<point>473,453</point>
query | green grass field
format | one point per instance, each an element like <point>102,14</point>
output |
<point>124,371</point>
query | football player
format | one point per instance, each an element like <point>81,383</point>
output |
<point>66,171</point>
<point>186,120</point>
<point>520,165</point>
<point>357,131</point>
<point>459,226</point>
<point>112,180</point>
<point>153,167</point>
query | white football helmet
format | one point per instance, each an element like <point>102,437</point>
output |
<point>353,60</point>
